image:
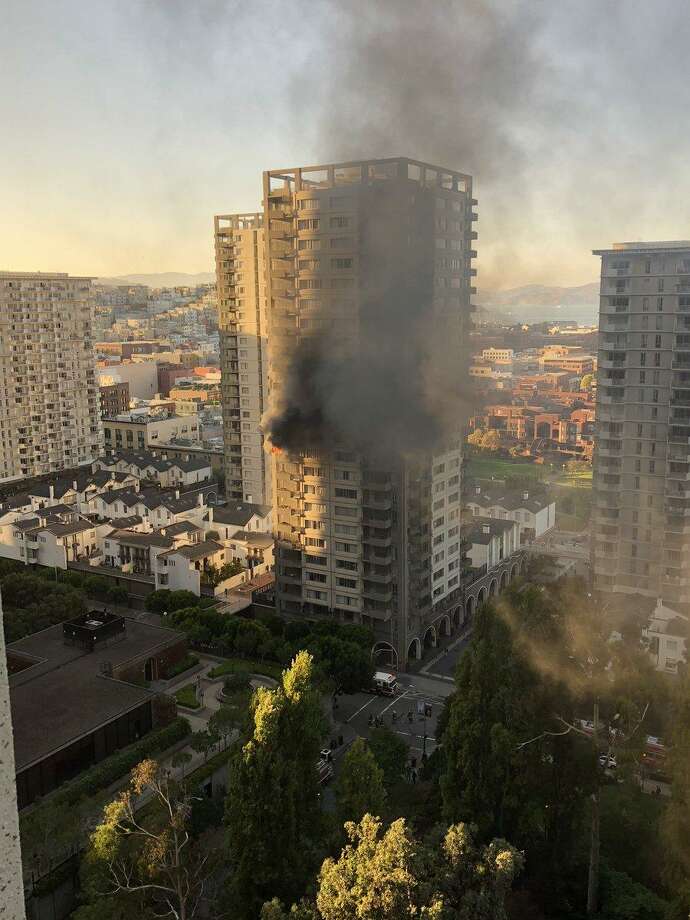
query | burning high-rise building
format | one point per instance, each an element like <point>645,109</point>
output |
<point>368,268</point>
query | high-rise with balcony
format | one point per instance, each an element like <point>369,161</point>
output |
<point>360,538</point>
<point>240,274</point>
<point>641,517</point>
<point>49,399</point>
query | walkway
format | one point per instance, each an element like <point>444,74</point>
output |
<point>442,665</point>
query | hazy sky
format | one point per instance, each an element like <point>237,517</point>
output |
<point>126,124</point>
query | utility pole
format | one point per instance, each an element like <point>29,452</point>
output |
<point>593,876</point>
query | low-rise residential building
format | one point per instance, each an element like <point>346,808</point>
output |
<point>533,512</point>
<point>188,567</point>
<point>141,377</point>
<point>157,466</point>
<point>666,638</point>
<point>186,450</point>
<point>577,363</point>
<point>114,398</point>
<point>227,520</point>
<point>139,431</point>
<point>490,541</point>
<point>498,355</point>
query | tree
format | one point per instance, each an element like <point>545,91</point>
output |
<point>272,807</point>
<point>390,753</point>
<point>180,759</point>
<point>511,766</point>
<point>625,899</point>
<point>153,859</point>
<point>222,724</point>
<point>204,741</point>
<point>360,784</point>
<point>491,440</point>
<point>475,438</point>
<point>383,874</point>
<point>346,664</point>
<point>165,600</point>
<point>676,820</point>
<point>586,382</point>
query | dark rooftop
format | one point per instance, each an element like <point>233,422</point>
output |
<point>482,529</point>
<point>63,695</point>
<point>239,513</point>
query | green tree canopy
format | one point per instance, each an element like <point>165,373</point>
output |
<point>390,753</point>
<point>272,807</point>
<point>360,784</point>
<point>387,873</point>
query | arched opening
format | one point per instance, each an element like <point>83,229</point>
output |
<point>504,580</point>
<point>492,587</point>
<point>457,616</point>
<point>430,637</point>
<point>469,608</point>
<point>481,597</point>
<point>384,653</point>
<point>414,650</point>
<point>150,670</point>
<point>444,625</point>
<point>514,572</point>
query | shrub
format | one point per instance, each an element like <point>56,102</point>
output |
<point>235,682</point>
<point>164,599</point>
<point>186,696</point>
<point>189,661</point>
<point>117,594</point>
<point>106,772</point>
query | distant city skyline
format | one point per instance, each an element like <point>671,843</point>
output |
<point>131,125</point>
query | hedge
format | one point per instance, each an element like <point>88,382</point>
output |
<point>186,696</point>
<point>103,774</point>
<point>247,666</point>
<point>189,661</point>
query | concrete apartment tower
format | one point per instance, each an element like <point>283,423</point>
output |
<point>49,400</point>
<point>359,541</point>
<point>240,278</point>
<point>11,881</point>
<point>641,516</point>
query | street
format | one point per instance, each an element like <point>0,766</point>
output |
<point>355,710</point>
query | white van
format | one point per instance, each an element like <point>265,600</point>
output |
<point>384,683</point>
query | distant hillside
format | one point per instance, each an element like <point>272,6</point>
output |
<point>540,295</point>
<point>162,279</point>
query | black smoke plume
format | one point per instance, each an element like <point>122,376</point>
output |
<point>443,82</point>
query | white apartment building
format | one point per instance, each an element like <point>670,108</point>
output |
<point>534,514</point>
<point>666,637</point>
<point>49,398</point>
<point>491,541</point>
<point>641,514</point>
<point>359,542</point>
<point>139,430</point>
<point>498,355</point>
<point>240,273</point>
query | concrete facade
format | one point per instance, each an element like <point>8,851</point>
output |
<point>49,400</point>
<point>641,514</point>
<point>11,883</point>
<point>358,543</point>
<point>242,307</point>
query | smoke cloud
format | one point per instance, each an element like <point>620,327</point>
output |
<point>443,82</point>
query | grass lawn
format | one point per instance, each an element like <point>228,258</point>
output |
<point>186,696</point>
<point>499,468</point>
<point>247,666</point>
